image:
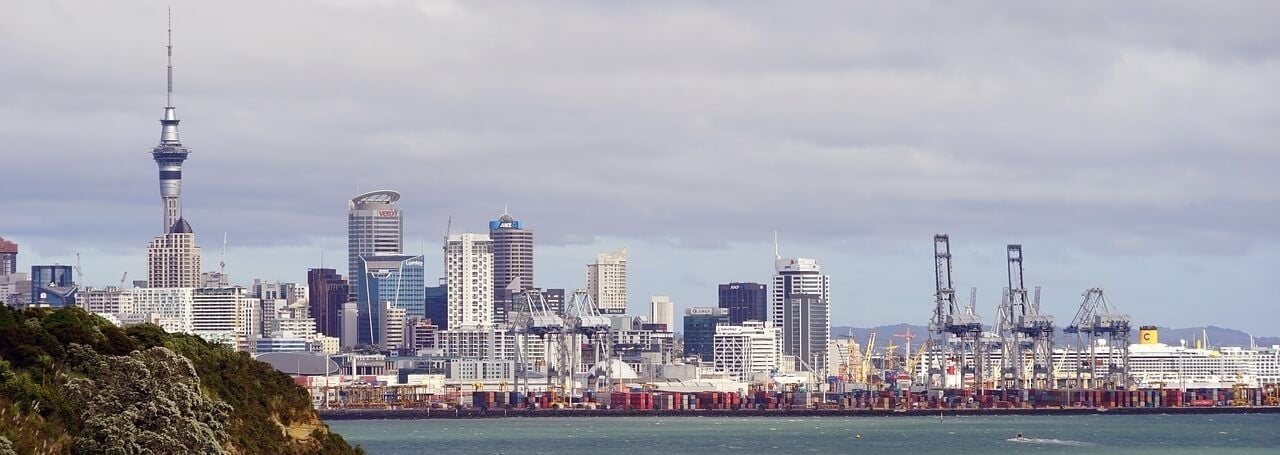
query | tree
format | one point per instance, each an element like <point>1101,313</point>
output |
<point>147,402</point>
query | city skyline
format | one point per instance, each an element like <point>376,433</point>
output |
<point>1171,226</point>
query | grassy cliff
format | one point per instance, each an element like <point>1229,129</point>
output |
<point>71,382</point>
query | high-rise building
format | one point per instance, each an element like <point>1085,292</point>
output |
<point>512,256</point>
<point>173,259</point>
<point>468,264</point>
<point>394,335</point>
<point>328,291</point>
<point>53,285</point>
<point>215,313</point>
<point>171,308</point>
<point>8,258</point>
<point>801,310</point>
<point>745,302</point>
<point>169,155</point>
<point>437,303</point>
<point>662,311</point>
<point>391,281</point>
<point>700,330</point>
<point>747,349</point>
<point>374,227</point>
<point>607,282</point>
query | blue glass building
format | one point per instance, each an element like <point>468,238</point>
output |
<point>390,281</point>
<point>437,303</point>
<point>53,285</point>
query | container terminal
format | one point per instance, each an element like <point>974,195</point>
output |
<point>1014,365</point>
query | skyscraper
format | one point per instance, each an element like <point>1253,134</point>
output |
<point>801,311</point>
<point>437,303</point>
<point>700,330</point>
<point>173,259</point>
<point>390,281</point>
<point>8,257</point>
<point>328,291</point>
<point>374,226</point>
<point>607,282</point>
<point>662,311</point>
<point>512,256</point>
<point>170,153</point>
<point>745,302</point>
<point>468,264</point>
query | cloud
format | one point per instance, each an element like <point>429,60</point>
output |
<point>1136,128</point>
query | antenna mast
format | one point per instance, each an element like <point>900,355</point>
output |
<point>168,94</point>
<point>222,263</point>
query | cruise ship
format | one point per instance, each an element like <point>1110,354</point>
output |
<point>1153,365</point>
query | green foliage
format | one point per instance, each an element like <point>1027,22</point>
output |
<point>145,402</point>
<point>66,374</point>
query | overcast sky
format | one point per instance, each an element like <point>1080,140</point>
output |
<point>1132,146</point>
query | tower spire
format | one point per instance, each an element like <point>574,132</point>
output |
<point>168,93</point>
<point>169,153</point>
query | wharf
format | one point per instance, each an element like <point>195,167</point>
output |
<point>417,414</point>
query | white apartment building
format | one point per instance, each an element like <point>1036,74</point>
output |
<point>489,344</point>
<point>742,351</point>
<point>215,311</point>
<point>468,264</point>
<point>662,311</point>
<point>800,306</point>
<point>171,308</point>
<point>173,259</point>
<point>393,332</point>
<point>607,282</point>
<point>111,300</point>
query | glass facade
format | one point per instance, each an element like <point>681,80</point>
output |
<point>745,302</point>
<point>392,281</point>
<point>700,330</point>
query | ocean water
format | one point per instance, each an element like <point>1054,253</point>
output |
<point>1083,434</point>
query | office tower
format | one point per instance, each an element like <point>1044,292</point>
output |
<point>8,258</point>
<point>173,259</point>
<point>350,324</point>
<point>328,291</point>
<point>391,281</point>
<point>374,227</point>
<point>700,330</point>
<point>801,310</point>
<point>747,349</point>
<point>662,312</point>
<point>512,256</point>
<point>745,302</point>
<point>607,282</point>
<point>52,285</point>
<point>468,264</point>
<point>437,303</point>
<point>169,155</point>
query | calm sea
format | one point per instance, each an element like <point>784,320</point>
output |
<point>1155,434</point>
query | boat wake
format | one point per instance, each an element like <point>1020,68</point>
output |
<point>1060,442</point>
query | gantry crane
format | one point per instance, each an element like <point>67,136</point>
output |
<point>954,332</point>
<point>1024,330</point>
<point>1097,320</point>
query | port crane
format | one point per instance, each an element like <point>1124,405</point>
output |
<point>954,332</point>
<point>1098,320</point>
<point>1025,331</point>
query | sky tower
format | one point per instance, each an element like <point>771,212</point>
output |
<point>170,153</point>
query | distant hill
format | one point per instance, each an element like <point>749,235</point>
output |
<point>1218,336</point>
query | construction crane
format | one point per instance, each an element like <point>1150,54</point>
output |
<point>906,335</point>
<point>914,360</point>
<point>123,277</point>
<point>1026,331</point>
<point>1098,320</point>
<point>866,358</point>
<point>954,332</point>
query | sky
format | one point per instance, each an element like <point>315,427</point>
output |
<point>1131,146</point>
